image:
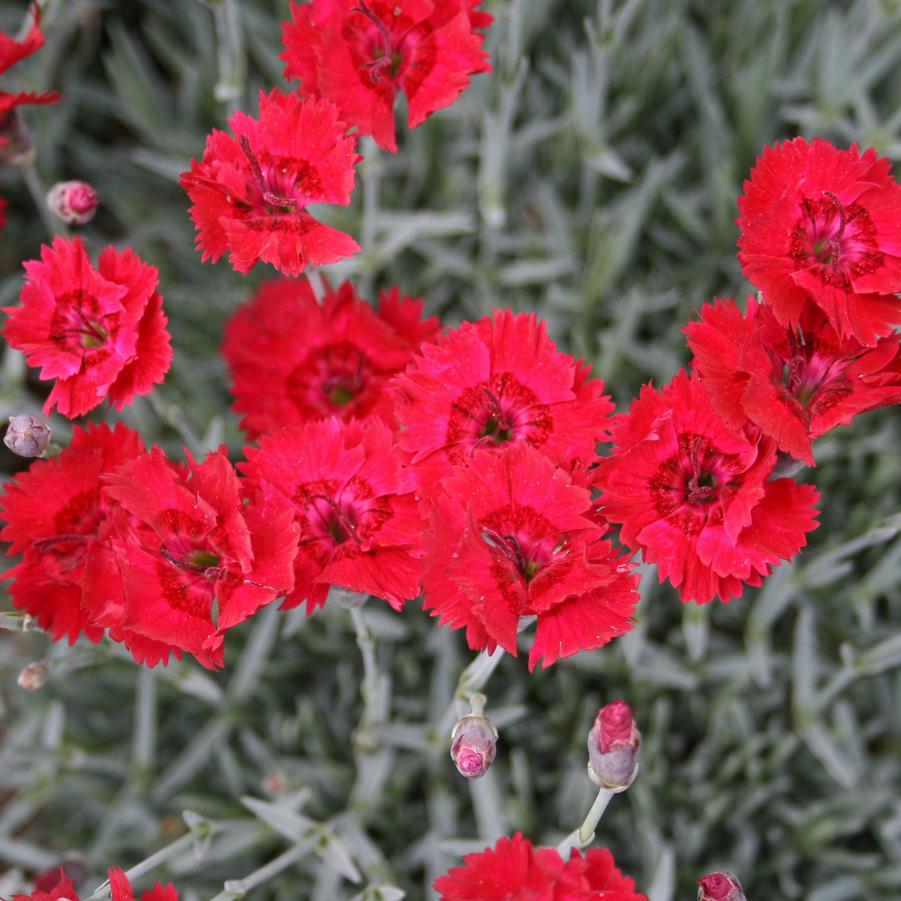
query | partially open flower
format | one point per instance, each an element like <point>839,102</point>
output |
<point>74,202</point>
<point>720,887</point>
<point>613,744</point>
<point>473,745</point>
<point>27,436</point>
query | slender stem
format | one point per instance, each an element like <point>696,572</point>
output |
<point>232,59</point>
<point>370,688</point>
<point>39,196</point>
<point>582,836</point>
<point>171,415</point>
<point>239,887</point>
<point>317,283</point>
<point>144,741</point>
<point>372,173</point>
<point>472,680</point>
<point>13,621</point>
<point>150,863</point>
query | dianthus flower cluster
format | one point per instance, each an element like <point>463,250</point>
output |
<point>698,477</point>
<point>165,557</point>
<point>479,469</point>
<point>451,465</point>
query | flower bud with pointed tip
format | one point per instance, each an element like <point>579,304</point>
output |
<point>720,887</point>
<point>33,677</point>
<point>473,745</point>
<point>16,147</point>
<point>613,744</point>
<point>75,202</point>
<point>27,436</point>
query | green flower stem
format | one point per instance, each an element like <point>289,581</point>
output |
<point>232,58</point>
<point>238,888</point>
<point>372,679</point>
<point>150,863</point>
<point>584,835</point>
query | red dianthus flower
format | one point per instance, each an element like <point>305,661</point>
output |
<point>181,558</point>
<point>514,870</point>
<point>314,360</point>
<point>512,536</point>
<point>101,333</point>
<point>250,192</point>
<point>361,53</point>
<point>824,225</point>
<point>120,889</point>
<point>353,499</point>
<point>496,382</point>
<point>53,513</point>
<point>793,384</point>
<point>694,494</point>
<point>12,52</point>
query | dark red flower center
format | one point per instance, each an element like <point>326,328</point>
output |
<point>333,515</point>
<point>279,186</point>
<point>692,484</point>
<point>524,543</point>
<point>80,326</point>
<point>494,413</point>
<point>815,377</point>
<point>335,380</point>
<point>839,242</point>
<point>75,525</point>
<point>379,35</point>
<point>192,568</point>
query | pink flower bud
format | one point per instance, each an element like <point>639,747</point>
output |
<point>720,887</point>
<point>275,783</point>
<point>613,744</point>
<point>33,677</point>
<point>74,202</point>
<point>473,745</point>
<point>27,435</point>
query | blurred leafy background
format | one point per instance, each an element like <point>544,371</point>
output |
<point>593,179</point>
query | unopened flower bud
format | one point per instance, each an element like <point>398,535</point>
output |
<point>275,783</point>
<point>613,744</point>
<point>27,435</point>
<point>473,745</point>
<point>33,677</point>
<point>74,202</point>
<point>720,887</point>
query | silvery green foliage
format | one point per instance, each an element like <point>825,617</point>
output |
<point>592,178</point>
